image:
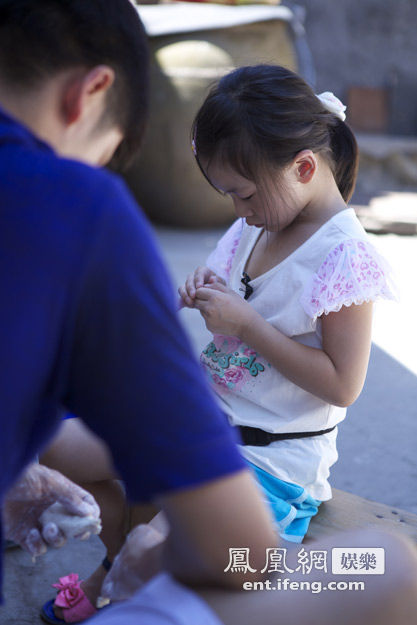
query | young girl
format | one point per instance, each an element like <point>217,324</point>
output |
<point>288,292</point>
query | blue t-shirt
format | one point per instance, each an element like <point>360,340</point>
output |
<point>88,324</point>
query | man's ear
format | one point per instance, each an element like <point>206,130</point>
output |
<point>83,90</point>
<point>305,166</point>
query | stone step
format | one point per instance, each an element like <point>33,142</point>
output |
<point>349,512</point>
<point>385,198</point>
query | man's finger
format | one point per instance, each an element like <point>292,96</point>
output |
<point>77,501</point>
<point>34,543</point>
<point>53,536</point>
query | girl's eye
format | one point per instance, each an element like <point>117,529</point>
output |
<point>247,198</point>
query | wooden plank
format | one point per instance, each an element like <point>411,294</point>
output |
<point>347,511</point>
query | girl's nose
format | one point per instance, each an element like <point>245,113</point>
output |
<point>241,209</point>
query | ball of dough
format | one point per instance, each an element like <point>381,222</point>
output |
<point>71,525</point>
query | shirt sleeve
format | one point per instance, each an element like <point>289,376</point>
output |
<point>132,376</point>
<point>221,258</point>
<point>352,273</point>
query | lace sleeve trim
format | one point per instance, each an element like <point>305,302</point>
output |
<point>352,273</point>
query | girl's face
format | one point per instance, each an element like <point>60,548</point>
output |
<point>262,208</point>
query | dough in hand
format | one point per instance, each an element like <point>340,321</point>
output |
<point>71,525</point>
<point>102,602</point>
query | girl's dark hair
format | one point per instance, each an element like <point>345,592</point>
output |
<point>260,117</point>
<point>41,38</point>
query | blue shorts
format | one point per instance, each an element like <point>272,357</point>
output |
<point>291,505</point>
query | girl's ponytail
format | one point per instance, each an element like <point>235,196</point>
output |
<point>345,157</point>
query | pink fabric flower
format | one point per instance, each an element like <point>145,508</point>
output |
<point>220,381</point>
<point>234,375</point>
<point>70,592</point>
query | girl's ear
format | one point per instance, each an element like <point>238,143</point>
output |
<point>305,166</point>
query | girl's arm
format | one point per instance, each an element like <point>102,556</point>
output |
<point>335,373</point>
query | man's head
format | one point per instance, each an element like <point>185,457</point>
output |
<point>85,59</point>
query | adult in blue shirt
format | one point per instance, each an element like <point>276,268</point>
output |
<point>87,315</point>
<point>87,320</point>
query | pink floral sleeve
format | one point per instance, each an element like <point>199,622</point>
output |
<point>352,273</point>
<point>220,260</point>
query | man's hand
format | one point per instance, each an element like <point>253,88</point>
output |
<point>223,310</point>
<point>36,490</point>
<point>138,561</point>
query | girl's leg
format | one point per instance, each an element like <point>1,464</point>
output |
<point>79,454</point>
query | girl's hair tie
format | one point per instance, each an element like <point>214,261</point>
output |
<point>332,104</point>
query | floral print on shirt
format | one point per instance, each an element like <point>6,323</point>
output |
<point>230,363</point>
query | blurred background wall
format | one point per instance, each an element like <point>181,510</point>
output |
<point>366,52</point>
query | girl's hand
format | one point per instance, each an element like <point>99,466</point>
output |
<point>202,276</point>
<point>223,310</point>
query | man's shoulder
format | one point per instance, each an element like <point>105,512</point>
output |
<point>56,184</point>
<point>65,210</point>
<point>74,181</point>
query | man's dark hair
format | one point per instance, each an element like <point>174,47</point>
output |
<point>41,38</point>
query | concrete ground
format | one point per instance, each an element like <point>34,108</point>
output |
<point>377,442</point>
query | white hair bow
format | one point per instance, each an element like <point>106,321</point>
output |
<point>332,104</point>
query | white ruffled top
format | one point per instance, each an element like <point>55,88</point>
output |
<point>337,266</point>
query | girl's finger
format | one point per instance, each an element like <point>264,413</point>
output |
<point>185,299</point>
<point>204,293</point>
<point>201,305</point>
<point>218,286</point>
<point>201,276</point>
<point>215,279</point>
<point>190,285</point>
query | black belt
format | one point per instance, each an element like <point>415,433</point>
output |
<point>260,438</point>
